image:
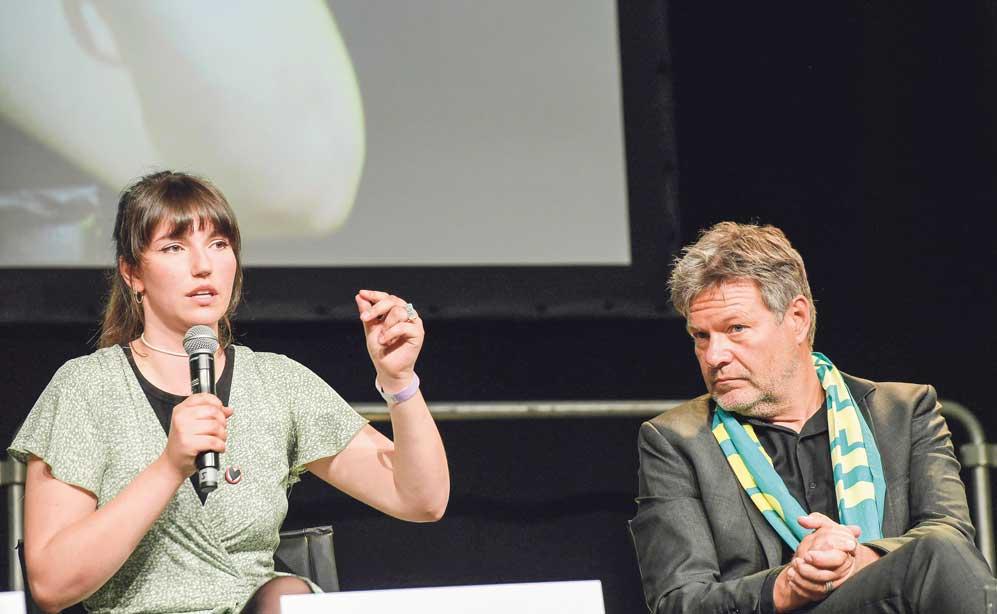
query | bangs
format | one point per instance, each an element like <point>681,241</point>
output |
<point>184,217</point>
<point>180,205</point>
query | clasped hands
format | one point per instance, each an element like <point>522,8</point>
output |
<point>825,559</point>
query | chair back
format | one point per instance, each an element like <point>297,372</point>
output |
<point>309,553</point>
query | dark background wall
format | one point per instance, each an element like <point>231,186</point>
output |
<point>865,131</point>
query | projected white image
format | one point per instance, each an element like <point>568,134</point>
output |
<point>259,96</point>
<point>345,133</point>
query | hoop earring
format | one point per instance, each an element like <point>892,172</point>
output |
<point>138,298</point>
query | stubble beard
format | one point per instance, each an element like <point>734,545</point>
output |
<point>765,404</point>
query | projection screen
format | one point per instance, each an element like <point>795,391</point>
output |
<point>438,135</point>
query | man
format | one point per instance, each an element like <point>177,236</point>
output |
<point>791,485</point>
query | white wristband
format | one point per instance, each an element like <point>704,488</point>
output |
<point>402,395</point>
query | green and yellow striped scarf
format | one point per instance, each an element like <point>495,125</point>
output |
<point>858,470</point>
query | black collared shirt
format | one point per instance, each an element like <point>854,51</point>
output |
<point>803,461</point>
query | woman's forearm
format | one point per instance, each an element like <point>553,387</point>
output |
<point>80,557</point>
<point>421,475</point>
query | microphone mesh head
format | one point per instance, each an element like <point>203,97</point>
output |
<point>200,339</point>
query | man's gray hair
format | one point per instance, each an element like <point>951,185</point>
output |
<point>730,251</point>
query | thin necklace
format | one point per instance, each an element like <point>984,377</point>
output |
<point>160,350</point>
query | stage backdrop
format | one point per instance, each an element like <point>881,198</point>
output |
<point>865,131</point>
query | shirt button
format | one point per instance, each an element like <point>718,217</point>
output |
<point>813,485</point>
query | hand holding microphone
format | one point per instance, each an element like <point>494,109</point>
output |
<point>198,426</point>
<point>201,344</point>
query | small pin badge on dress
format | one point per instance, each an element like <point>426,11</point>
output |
<point>233,475</point>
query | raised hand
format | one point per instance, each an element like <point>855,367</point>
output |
<point>394,339</point>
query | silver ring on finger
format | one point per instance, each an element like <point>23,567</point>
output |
<point>410,312</point>
<point>828,587</point>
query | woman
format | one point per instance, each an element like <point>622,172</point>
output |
<point>110,514</point>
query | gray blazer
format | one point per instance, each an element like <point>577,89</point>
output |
<point>703,546</point>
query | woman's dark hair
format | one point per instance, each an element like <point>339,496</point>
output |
<point>181,201</point>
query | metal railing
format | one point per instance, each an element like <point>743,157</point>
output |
<point>977,455</point>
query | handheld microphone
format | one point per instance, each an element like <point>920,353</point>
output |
<point>201,344</point>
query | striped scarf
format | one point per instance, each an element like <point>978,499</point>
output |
<point>858,470</point>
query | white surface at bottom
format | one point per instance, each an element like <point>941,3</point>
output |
<point>579,597</point>
<point>12,602</point>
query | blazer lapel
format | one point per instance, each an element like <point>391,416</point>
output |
<point>860,390</point>
<point>769,539</point>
